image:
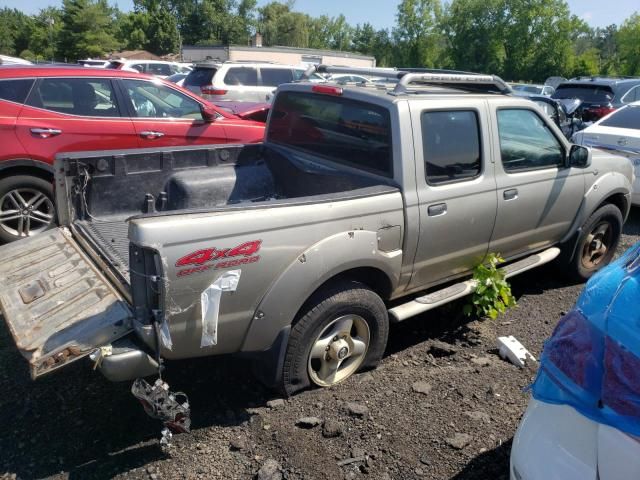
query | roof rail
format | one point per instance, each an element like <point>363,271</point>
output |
<point>472,82</point>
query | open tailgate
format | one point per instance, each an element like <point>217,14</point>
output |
<point>57,304</point>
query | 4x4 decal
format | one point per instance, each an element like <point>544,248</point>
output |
<point>209,258</point>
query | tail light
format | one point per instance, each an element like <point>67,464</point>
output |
<point>211,90</point>
<point>621,382</point>
<point>571,347</point>
<point>599,112</point>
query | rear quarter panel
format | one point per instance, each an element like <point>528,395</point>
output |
<point>325,237</point>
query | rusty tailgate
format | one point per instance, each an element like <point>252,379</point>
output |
<point>58,306</point>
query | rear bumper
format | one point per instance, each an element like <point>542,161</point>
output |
<point>554,442</point>
<point>127,362</point>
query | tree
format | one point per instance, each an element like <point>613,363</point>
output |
<point>628,40</point>
<point>418,34</point>
<point>86,30</point>
<point>15,28</point>
<point>279,25</point>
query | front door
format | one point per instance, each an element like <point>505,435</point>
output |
<point>456,188</point>
<point>165,117</point>
<point>67,114</point>
<point>538,197</point>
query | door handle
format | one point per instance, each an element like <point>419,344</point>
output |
<point>46,132</point>
<point>437,209</point>
<point>510,194</point>
<point>150,134</point>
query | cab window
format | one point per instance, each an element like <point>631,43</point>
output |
<point>526,143</point>
<point>451,143</point>
<point>152,100</point>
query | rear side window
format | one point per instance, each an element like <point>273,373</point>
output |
<point>272,77</point>
<point>632,95</point>
<point>451,143</point>
<point>586,93</point>
<point>628,117</point>
<point>357,134</point>
<point>241,76</point>
<point>526,143</point>
<point>92,97</point>
<point>15,90</point>
<point>159,69</point>
<point>199,77</point>
<point>139,67</point>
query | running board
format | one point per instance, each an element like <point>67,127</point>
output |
<point>462,289</point>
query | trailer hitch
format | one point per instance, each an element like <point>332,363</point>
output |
<point>171,408</point>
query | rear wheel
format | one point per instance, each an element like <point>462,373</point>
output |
<point>597,243</point>
<point>342,330</point>
<point>26,207</point>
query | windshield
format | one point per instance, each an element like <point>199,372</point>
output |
<point>586,93</point>
<point>346,131</point>
<point>628,117</point>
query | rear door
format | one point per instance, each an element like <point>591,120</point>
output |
<point>538,196</point>
<point>66,114</point>
<point>57,304</point>
<point>164,117</point>
<point>456,188</point>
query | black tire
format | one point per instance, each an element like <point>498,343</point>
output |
<point>343,298</point>
<point>29,186</point>
<point>579,268</point>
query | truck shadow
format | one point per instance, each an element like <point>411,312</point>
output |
<point>490,464</point>
<point>77,422</point>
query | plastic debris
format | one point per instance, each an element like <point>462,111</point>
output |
<point>512,350</point>
<point>171,408</point>
<point>210,304</point>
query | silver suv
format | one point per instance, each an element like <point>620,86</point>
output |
<point>241,81</point>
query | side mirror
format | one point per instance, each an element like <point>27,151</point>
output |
<point>209,113</point>
<point>579,156</point>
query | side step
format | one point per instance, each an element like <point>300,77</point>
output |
<point>462,289</point>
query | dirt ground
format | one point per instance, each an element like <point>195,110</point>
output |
<point>442,405</point>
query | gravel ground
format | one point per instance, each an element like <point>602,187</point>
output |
<point>442,405</point>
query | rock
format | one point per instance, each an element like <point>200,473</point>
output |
<point>332,429</point>
<point>419,472</point>
<point>238,444</point>
<point>366,377</point>
<point>442,349</point>
<point>421,387</point>
<point>308,422</point>
<point>459,441</point>
<point>153,476</point>
<point>357,452</point>
<point>481,361</point>
<point>425,460</point>
<point>270,470</point>
<point>478,416</point>
<point>275,403</point>
<point>356,409</point>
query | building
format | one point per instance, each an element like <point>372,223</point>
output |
<point>284,55</point>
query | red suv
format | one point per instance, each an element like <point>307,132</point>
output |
<point>47,110</point>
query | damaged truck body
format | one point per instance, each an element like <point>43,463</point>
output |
<point>362,207</point>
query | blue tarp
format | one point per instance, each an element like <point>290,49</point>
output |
<point>592,360</point>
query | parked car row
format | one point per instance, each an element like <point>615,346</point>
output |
<point>47,110</point>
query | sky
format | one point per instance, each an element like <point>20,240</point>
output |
<point>381,13</point>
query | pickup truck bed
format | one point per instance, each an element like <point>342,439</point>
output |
<point>105,191</point>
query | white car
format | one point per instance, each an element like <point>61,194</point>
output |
<point>619,131</point>
<point>555,442</point>
<point>159,68</point>
<point>583,419</point>
<point>94,63</point>
<point>242,81</point>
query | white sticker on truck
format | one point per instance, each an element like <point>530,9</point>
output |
<point>210,303</point>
